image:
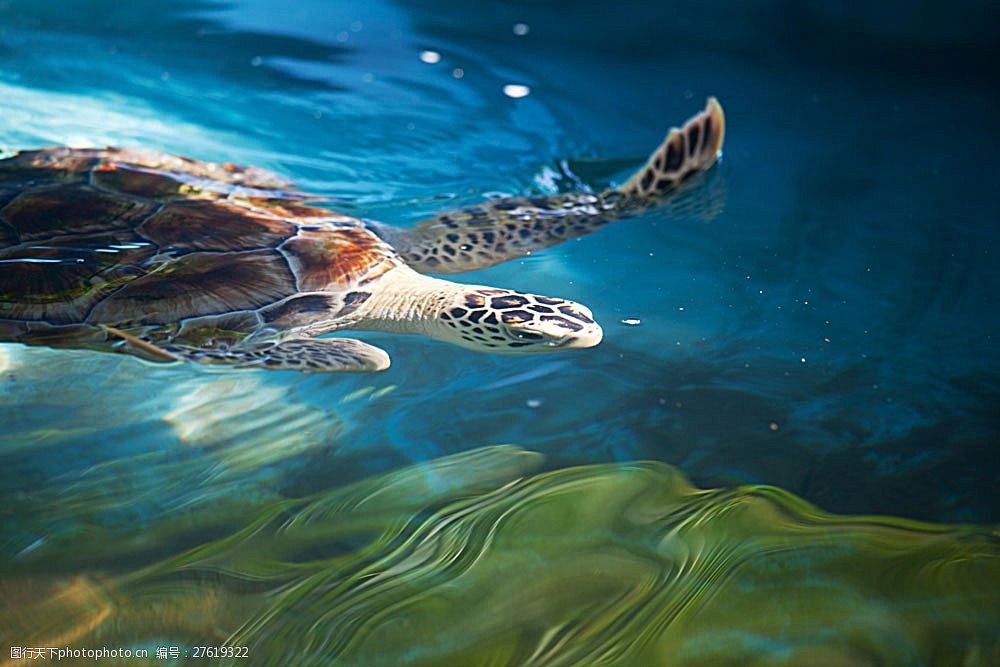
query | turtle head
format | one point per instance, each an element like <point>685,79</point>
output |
<point>497,320</point>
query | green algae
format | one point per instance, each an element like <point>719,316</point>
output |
<point>478,559</point>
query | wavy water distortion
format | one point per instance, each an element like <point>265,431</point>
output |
<point>474,559</point>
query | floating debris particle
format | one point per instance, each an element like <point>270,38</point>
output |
<point>516,90</point>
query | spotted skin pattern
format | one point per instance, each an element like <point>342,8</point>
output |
<point>507,321</point>
<point>481,236</point>
<point>504,229</point>
<point>165,258</point>
<point>301,354</point>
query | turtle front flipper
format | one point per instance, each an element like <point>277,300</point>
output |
<point>505,229</point>
<point>686,151</point>
<point>315,355</point>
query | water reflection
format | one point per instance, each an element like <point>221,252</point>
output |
<point>478,558</point>
<point>132,441</point>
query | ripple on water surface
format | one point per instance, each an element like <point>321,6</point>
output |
<point>476,559</point>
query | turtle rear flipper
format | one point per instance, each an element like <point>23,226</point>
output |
<point>505,229</point>
<point>301,354</point>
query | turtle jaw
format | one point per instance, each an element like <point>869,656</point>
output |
<point>591,336</point>
<point>556,334</point>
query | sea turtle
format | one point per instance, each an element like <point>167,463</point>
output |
<point>170,258</point>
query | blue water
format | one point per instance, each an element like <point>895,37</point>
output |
<point>822,317</point>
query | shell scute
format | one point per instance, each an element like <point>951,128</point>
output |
<point>293,210</point>
<point>199,284</point>
<point>7,193</point>
<point>48,165</point>
<point>59,281</point>
<point>250,177</point>
<point>8,235</point>
<point>138,182</point>
<point>72,208</point>
<point>213,225</point>
<point>337,258</point>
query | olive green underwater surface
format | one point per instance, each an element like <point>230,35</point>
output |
<point>480,559</point>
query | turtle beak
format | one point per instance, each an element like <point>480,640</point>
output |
<point>590,336</point>
<point>574,327</point>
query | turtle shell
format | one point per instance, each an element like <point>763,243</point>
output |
<point>119,237</point>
